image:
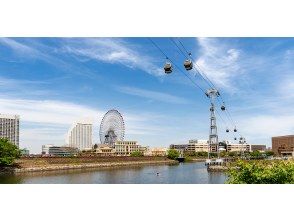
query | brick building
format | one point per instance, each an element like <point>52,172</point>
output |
<point>283,145</point>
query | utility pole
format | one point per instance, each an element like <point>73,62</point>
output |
<point>212,94</point>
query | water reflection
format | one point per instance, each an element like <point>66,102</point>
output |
<point>153,174</point>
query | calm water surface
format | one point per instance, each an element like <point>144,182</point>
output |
<point>182,173</point>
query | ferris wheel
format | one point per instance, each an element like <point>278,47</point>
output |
<point>112,127</point>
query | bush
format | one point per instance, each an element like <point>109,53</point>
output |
<point>137,154</point>
<point>8,152</point>
<point>261,172</point>
<point>269,153</point>
<point>173,154</point>
<point>256,154</point>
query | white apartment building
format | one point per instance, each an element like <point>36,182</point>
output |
<point>80,135</point>
<point>9,128</point>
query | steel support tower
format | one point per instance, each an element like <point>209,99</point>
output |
<point>212,94</point>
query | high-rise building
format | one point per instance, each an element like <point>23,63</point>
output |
<point>80,135</point>
<point>9,128</point>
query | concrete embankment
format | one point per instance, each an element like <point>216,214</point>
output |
<point>217,168</point>
<point>51,164</point>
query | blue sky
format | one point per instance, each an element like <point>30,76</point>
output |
<point>51,82</point>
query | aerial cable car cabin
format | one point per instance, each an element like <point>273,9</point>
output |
<point>168,68</point>
<point>188,64</point>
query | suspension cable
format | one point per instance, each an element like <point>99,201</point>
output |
<point>201,72</point>
<point>175,65</point>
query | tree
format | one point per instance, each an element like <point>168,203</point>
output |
<point>269,153</point>
<point>95,146</point>
<point>256,154</point>
<point>137,154</point>
<point>8,152</point>
<point>261,172</point>
<point>173,154</point>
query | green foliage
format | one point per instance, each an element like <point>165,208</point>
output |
<point>173,154</point>
<point>269,153</point>
<point>233,154</point>
<point>213,155</point>
<point>200,154</point>
<point>137,154</point>
<point>261,172</point>
<point>8,152</point>
<point>187,159</point>
<point>255,154</point>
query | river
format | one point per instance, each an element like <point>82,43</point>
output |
<point>190,173</point>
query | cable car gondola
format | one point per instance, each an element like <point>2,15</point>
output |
<point>235,129</point>
<point>227,130</point>
<point>168,68</point>
<point>235,138</point>
<point>188,64</point>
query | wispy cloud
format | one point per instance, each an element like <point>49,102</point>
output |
<point>219,61</point>
<point>153,95</point>
<point>35,50</point>
<point>112,51</point>
<point>47,111</point>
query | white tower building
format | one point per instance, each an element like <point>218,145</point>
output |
<point>9,128</point>
<point>80,134</point>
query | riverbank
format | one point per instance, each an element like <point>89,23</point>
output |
<point>217,168</point>
<point>42,164</point>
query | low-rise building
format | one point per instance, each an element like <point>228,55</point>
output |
<point>125,148</point>
<point>203,146</point>
<point>283,145</point>
<point>236,147</point>
<point>52,150</point>
<point>157,152</point>
<point>259,147</point>
<point>105,150</point>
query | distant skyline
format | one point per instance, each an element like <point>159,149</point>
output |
<point>52,82</point>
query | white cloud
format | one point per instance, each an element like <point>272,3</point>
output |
<point>158,96</point>
<point>266,126</point>
<point>112,51</point>
<point>47,111</point>
<point>18,47</point>
<point>219,61</point>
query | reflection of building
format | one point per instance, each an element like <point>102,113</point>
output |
<point>50,149</point>
<point>259,147</point>
<point>80,135</point>
<point>9,128</point>
<point>283,145</point>
<point>125,148</point>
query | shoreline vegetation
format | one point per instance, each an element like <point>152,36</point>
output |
<point>41,164</point>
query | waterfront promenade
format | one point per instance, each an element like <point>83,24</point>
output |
<point>66,163</point>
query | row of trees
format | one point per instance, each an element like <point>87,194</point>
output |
<point>8,152</point>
